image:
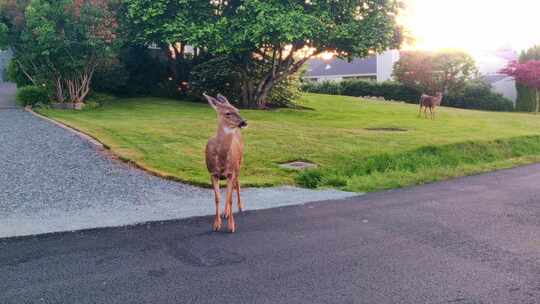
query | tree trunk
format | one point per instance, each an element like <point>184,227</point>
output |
<point>537,101</point>
<point>59,88</point>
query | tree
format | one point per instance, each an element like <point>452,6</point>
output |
<point>60,43</point>
<point>445,71</point>
<point>526,97</point>
<point>270,39</point>
<point>528,74</point>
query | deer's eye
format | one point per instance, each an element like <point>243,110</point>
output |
<point>228,114</point>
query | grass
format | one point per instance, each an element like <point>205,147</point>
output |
<point>351,139</point>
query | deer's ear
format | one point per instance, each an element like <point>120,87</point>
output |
<point>211,101</point>
<point>223,99</point>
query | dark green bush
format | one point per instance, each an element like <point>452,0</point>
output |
<point>31,95</point>
<point>219,75</point>
<point>358,88</point>
<point>216,76</point>
<point>327,87</point>
<point>309,179</point>
<point>389,90</point>
<point>526,99</point>
<point>135,72</point>
<point>479,96</point>
<point>476,95</point>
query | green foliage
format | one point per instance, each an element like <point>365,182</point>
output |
<point>266,37</point>
<point>431,72</point>
<point>215,76</point>
<point>4,36</point>
<point>60,43</point>
<point>475,95</point>
<point>309,179</point>
<point>287,92</point>
<point>15,74</point>
<point>31,95</point>
<point>365,174</point>
<point>101,98</point>
<point>388,90</point>
<point>526,97</point>
<point>326,87</point>
<point>221,75</point>
<point>478,95</point>
<point>112,77</point>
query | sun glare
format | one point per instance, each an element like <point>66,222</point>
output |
<point>473,25</point>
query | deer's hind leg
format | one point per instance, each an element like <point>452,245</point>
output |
<point>217,194</point>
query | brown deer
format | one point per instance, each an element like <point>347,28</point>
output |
<point>430,102</point>
<point>224,155</point>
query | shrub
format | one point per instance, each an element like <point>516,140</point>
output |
<point>215,76</point>
<point>219,75</point>
<point>358,88</point>
<point>478,96</point>
<point>327,87</point>
<point>309,179</point>
<point>96,100</point>
<point>389,90</point>
<point>285,92</point>
<point>31,95</point>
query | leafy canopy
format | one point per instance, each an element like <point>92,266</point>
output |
<point>445,71</point>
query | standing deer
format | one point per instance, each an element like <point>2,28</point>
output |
<point>224,154</point>
<point>430,102</point>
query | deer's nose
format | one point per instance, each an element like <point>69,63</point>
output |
<point>243,124</point>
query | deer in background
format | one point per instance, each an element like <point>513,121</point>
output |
<point>431,102</point>
<point>224,155</point>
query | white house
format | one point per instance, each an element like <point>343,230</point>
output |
<point>490,63</point>
<point>378,67</point>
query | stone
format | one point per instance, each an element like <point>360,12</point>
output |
<point>298,165</point>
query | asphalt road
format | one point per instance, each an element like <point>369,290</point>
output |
<point>471,240</point>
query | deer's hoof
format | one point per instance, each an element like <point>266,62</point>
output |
<point>231,227</point>
<point>217,225</point>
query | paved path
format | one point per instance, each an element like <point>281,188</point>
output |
<point>469,241</point>
<point>7,95</point>
<point>51,180</point>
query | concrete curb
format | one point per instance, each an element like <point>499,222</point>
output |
<point>94,141</point>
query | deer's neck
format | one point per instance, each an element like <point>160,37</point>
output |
<point>226,134</point>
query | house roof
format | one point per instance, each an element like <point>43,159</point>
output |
<point>335,66</point>
<point>493,78</point>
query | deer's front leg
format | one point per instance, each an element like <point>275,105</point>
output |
<point>230,218</point>
<point>217,194</point>
<point>239,201</point>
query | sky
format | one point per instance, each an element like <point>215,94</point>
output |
<point>473,25</point>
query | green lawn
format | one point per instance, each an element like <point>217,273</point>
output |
<point>169,136</point>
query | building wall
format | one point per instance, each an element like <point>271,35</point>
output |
<point>506,87</point>
<point>385,65</point>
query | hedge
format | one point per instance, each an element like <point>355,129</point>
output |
<point>475,95</point>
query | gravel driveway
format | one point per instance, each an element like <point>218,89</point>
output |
<point>51,180</point>
<point>7,95</point>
